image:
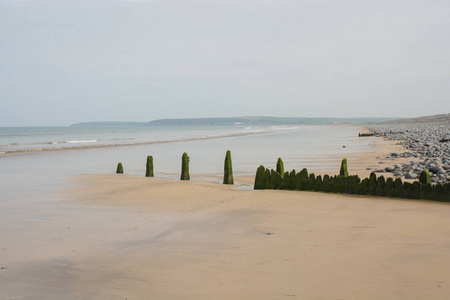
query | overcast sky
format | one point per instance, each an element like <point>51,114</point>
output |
<point>64,62</point>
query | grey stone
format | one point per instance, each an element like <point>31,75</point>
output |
<point>410,175</point>
<point>434,169</point>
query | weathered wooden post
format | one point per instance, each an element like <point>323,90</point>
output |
<point>185,167</point>
<point>280,167</point>
<point>149,167</point>
<point>228,169</point>
<point>344,172</point>
<point>119,168</point>
<point>259,185</point>
<point>424,177</point>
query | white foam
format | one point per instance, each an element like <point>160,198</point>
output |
<point>285,127</point>
<point>86,141</point>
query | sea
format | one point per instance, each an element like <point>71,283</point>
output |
<point>67,151</point>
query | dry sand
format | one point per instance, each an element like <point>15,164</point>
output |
<point>127,237</point>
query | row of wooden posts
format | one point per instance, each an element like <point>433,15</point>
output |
<point>351,184</point>
<point>342,183</point>
<point>227,177</point>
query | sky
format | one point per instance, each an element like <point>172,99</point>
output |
<point>64,62</point>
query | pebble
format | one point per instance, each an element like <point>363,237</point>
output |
<point>397,173</point>
<point>426,139</point>
<point>410,175</point>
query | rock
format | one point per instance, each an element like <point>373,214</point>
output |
<point>397,173</point>
<point>389,169</point>
<point>434,169</point>
<point>436,163</point>
<point>410,175</point>
<point>380,171</point>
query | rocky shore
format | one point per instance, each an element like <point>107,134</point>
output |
<point>426,141</point>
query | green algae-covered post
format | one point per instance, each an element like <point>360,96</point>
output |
<point>326,183</point>
<point>149,167</point>
<point>185,167</point>
<point>266,179</point>
<point>364,187</point>
<point>280,167</point>
<point>389,187</point>
<point>119,168</point>
<point>398,185</point>
<point>344,171</point>
<point>275,180</point>
<point>259,185</point>
<point>425,177</point>
<point>319,183</point>
<point>290,180</point>
<point>372,183</point>
<point>416,189</point>
<point>381,185</point>
<point>228,169</point>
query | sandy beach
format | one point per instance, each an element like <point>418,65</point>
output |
<point>129,237</point>
<point>200,240</point>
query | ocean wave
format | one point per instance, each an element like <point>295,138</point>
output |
<point>118,142</point>
<point>92,144</point>
<point>78,142</point>
<point>280,127</point>
<point>122,139</point>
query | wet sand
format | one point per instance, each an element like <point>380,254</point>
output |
<point>169,239</point>
<point>127,237</point>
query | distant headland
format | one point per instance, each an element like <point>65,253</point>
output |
<point>238,121</point>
